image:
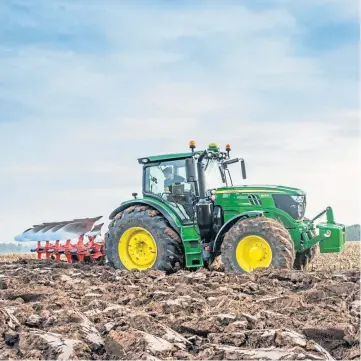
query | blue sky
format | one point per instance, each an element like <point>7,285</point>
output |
<point>88,86</point>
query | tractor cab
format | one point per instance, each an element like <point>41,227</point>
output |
<point>181,180</point>
<point>167,180</point>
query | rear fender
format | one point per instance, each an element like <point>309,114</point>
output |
<point>226,227</point>
<point>154,205</point>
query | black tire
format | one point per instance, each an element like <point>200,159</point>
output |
<point>303,259</point>
<point>277,236</point>
<point>170,252</point>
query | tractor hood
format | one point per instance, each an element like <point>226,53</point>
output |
<point>273,189</point>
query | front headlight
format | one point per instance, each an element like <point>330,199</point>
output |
<point>295,206</point>
<point>300,205</point>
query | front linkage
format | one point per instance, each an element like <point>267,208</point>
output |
<point>331,237</point>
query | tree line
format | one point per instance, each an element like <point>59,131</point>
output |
<point>353,233</point>
<point>14,248</point>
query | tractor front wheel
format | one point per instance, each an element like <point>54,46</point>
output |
<point>303,259</point>
<point>258,242</point>
<point>140,238</point>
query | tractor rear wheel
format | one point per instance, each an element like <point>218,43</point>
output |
<point>141,238</point>
<point>258,242</point>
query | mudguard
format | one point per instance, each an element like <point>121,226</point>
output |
<point>154,205</point>
<point>218,240</point>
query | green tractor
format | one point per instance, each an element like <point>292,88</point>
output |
<point>191,213</point>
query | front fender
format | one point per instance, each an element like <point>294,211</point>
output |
<point>171,218</point>
<point>218,240</point>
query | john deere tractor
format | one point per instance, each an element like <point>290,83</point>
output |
<point>190,213</point>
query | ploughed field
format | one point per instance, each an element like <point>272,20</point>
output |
<point>61,311</point>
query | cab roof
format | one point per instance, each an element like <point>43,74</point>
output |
<point>166,157</point>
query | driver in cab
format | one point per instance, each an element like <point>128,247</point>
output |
<point>184,200</point>
<point>170,178</point>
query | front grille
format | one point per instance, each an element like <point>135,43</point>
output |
<point>255,200</point>
<point>295,206</point>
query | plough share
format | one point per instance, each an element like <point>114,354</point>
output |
<point>79,235</point>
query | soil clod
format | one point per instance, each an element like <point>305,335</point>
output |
<point>99,313</point>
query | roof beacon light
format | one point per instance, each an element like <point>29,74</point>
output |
<point>192,145</point>
<point>228,149</point>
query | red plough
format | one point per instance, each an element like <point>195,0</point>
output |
<point>79,235</point>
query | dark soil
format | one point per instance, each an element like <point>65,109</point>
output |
<point>61,311</point>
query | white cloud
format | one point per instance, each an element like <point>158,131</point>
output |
<point>241,81</point>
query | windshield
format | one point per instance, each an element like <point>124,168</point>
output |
<point>213,175</point>
<point>167,180</point>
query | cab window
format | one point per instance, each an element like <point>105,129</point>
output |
<point>167,180</point>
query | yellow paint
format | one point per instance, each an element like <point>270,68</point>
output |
<point>249,191</point>
<point>253,252</point>
<point>137,249</point>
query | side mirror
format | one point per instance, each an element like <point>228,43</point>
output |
<point>243,167</point>
<point>231,161</point>
<point>236,160</point>
<point>191,172</point>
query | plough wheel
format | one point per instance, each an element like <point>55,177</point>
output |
<point>258,242</point>
<point>141,238</point>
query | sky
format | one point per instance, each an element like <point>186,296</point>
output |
<point>87,87</point>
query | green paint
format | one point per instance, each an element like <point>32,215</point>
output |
<point>335,242</point>
<point>236,200</point>
<point>192,247</point>
<point>213,147</point>
<point>262,189</point>
<point>188,233</point>
<point>166,208</point>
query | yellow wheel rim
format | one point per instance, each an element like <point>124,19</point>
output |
<point>253,252</point>
<point>137,249</point>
